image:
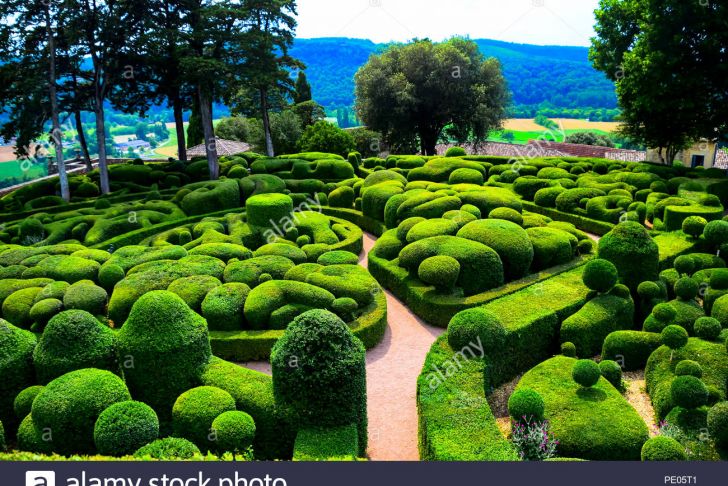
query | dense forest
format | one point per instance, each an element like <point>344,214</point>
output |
<point>560,80</point>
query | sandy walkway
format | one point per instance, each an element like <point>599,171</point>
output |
<point>636,395</point>
<point>392,370</point>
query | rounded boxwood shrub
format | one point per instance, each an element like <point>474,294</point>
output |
<point>476,327</point>
<point>688,367</point>
<point>456,152</point>
<point>16,307</point>
<point>342,197</point>
<point>194,411</point>
<point>674,337</point>
<point>551,246</point>
<point>526,405</point>
<point>16,368</point>
<point>233,431</point>
<point>466,176</point>
<point>24,401</point>
<point>31,439</point>
<point>716,233</point>
<point>568,349</point>
<point>74,340</point>
<point>441,271</point>
<point>109,275</point>
<point>223,306</point>
<point>685,265</point>
<point>124,427</point>
<point>718,423</point>
<point>600,275</point>
<point>86,296</point>
<point>317,386</point>
<point>474,210</point>
<point>194,289</point>
<point>707,328</point>
<point>663,448</point>
<point>586,373</point>
<point>694,226</point>
<point>169,448</point>
<point>344,307</point>
<point>164,347</point>
<point>42,311</point>
<point>507,214</point>
<point>511,242</point>
<point>338,257</point>
<point>662,315</point>
<point>688,392</point>
<point>70,405</point>
<point>649,291</point>
<point>631,249</point>
<point>585,247</point>
<point>612,372</point>
<point>686,288</point>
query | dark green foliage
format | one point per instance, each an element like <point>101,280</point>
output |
<point>476,330</point>
<point>267,209</point>
<point>685,265</point>
<point>194,411</point>
<point>168,346</point>
<point>321,388</point>
<point>707,328</point>
<point>663,448</point>
<point>674,337</point>
<point>273,304</point>
<point>344,307</point>
<point>688,367</point>
<point>631,249</point>
<point>43,310</point>
<point>480,267</point>
<point>612,372</point>
<point>233,431</point>
<point>31,231</point>
<point>167,449</point>
<point>441,271</point>
<point>694,226</point>
<point>600,275</point>
<point>249,271</point>
<point>70,405</point>
<point>323,136</point>
<point>110,275</point>
<point>686,288</point>
<point>124,427</point>
<point>718,423</point>
<point>16,368</point>
<point>31,439</point>
<point>194,289</point>
<point>74,340</point>
<point>688,392</point>
<point>223,306</point>
<point>662,316</point>
<point>568,349</point>
<point>586,373</point>
<point>510,241</point>
<point>631,348</point>
<point>525,405</point>
<point>211,197</point>
<point>716,233</point>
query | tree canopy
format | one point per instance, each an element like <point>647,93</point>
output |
<point>413,91</point>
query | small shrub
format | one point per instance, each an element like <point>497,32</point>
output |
<point>168,449</point>
<point>24,401</point>
<point>586,373</point>
<point>663,448</point>
<point>526,405</point>
<point>612,372</point>
<point>707,328</point>
<point>194,412</point>
<point>688,367</point>
<point>441,271</point>
<point>674,337</point>
<point>600,275</point>
<point>718,423</point>
<point>456,152</point>
<point>716,233</point>
<point>688,392</point>
<point>686,288</point>
<point>533,441</point>
<point>474,328</point>
<point>233,431</point>
<point>124,427</point>
<point>568,349</point>
<point>694,226</point>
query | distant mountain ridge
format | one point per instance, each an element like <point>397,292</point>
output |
<point>559,75</point>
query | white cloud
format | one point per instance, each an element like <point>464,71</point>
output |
<point>546,22</point>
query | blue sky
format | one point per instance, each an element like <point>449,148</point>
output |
<point>545,22</point>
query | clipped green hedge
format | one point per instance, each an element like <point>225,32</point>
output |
<point>327,444</point>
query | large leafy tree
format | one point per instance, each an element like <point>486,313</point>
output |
<point>413,91</point>
<point>265,62</point>
<point>29,76</point>
<point>670,64</point>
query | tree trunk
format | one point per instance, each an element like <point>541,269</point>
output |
<point>82,140</point>
<point>266,123</point>
<point>209,131</point>
<point>179,125</point>
<point>428,141</point>
<point>101,138</point>
<point>57,133</point>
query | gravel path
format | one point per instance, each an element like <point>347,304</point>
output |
<point>392,370</point>
<point>636,395</point>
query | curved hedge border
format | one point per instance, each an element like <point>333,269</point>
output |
<point>438,309</point>
<point>256,345</point>
<point>599,228</point>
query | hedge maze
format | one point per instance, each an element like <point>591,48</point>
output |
<point>124,316</point>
